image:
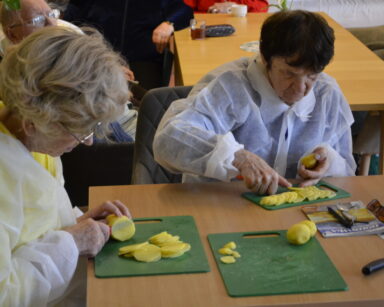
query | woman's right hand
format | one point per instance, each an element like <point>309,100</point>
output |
<point>89,235</point>
<point>257,174</point>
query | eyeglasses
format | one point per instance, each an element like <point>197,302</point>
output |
<point>84,138</point>
<point>39,21</point>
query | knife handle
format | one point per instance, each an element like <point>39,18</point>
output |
<point>373,266</point>
<point>342,219</point>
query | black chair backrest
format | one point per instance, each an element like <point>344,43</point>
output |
<point>152,107</point>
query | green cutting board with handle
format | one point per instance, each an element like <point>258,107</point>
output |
<point>109,264</point>
<point>269,265</point>
<point>340,193</point>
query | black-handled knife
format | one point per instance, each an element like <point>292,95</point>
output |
<point>340,217</point>
<point>373,266</point>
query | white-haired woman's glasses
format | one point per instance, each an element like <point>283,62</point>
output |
<point>84,138</point>
<point>40,20</point>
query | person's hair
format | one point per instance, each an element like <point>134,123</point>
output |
<point>58,75</point>
<point>303,36</point>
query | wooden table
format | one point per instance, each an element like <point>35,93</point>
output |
<point>218,207</point>
<point>359,72</point>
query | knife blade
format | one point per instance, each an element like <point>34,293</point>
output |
<point>340,218</point>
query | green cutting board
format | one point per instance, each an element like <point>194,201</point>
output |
<point>269,265</point>
<point>340,193</point>
<point>109,264</point>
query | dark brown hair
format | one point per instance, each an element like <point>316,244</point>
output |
<point>302,35</point>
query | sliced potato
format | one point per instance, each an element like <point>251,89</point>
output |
<point>122,227</point>
<point>174,250</point>
<point>231,245</point>
<point>228,259</point>
<point>148,253</point>
<point>128,249</point>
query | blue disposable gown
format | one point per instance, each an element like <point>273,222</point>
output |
<point>235,107</point>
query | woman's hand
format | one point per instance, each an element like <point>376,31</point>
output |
<point>90,236</point>
<point>129,75</point>
<point>161,35</point>
<point>312,176</point>
<point>109,207</point>
<point>257,174</point>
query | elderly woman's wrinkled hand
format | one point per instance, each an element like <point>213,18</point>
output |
<point>257,174</point>
<point>90,236</point>
<point>161,35</point>
<point>312,176</point>
<point>109,207</point>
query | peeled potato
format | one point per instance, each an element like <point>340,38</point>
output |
<point>174,250</point>
<point>129,249</point>
<point>122,227</point>
<point>231,245</point>
<point>309,161</point>
<point>228,259</point>
<point>298,234</point>
<point>311,225</point>
<point>148,253</point>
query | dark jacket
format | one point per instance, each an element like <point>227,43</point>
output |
<point>142,17</point>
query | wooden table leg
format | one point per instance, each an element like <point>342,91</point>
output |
<point>381,158</point>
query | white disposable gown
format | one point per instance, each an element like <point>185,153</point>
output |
<point>235,107</point>
<point>37,259</point>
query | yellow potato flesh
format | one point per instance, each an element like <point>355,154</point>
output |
<point>298,234</point>
<point>231,245</point>
<point>148,253</point>
<point>174,250</point>
<point>228,259</point>
<point>122,227</point>
<point>311,225</point>
<point>129,249</point>
<point>309,161</point>
<point>296,195</point>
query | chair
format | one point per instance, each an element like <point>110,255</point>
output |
<point>152,107</point>
<point>100,164</point>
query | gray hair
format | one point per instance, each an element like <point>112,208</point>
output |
<point>58,75</point>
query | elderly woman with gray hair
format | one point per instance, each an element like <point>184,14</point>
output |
<point>57,88</point>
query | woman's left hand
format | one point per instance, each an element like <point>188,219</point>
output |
<point>161,35</point>
<point>109,207</point>
<point>312,176</point>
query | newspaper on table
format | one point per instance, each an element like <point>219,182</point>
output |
<point>366,223</point>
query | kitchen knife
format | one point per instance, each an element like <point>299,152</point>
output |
<point>341,218</point>
<point>373,266</point>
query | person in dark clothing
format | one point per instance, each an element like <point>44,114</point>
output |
<point>139,30</point>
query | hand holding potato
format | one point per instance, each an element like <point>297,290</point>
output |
<point>89,235</point>
<point>115,207</point>
<point>313,175</point>
<point>257,174</point>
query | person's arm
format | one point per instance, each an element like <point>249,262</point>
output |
<point>335,154</point>
<point>37,272</point>
<point>255,5</point>
<point>178,13</point>
<point>195,135</point>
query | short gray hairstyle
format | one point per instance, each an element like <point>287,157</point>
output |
<point>58,75</point>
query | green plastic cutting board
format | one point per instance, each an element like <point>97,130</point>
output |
<point>340,193</point>
<point>269,265</point>
<point>109,264</point>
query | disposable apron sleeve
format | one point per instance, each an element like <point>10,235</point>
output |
<point>219,165</point>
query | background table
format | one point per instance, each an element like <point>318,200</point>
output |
<point>218,207</point>
<point>359,72</point>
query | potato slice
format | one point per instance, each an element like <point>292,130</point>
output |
<point>129,249</point>
<point>122,227</point>
<point>148,253</point>
<point>163,237</point>
<point>225,251</point>
<point>231,245</point>
<point>228,259</point>
<point>174,250</point>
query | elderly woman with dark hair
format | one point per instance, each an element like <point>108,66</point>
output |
<point>58,88</point>
<point>257,117</point>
